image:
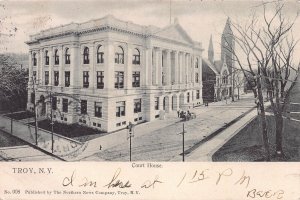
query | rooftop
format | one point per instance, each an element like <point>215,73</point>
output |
<point>107,22</point>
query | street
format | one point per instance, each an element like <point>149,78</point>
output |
<point>165,143</point>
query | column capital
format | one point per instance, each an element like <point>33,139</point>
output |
<point>167,50</point>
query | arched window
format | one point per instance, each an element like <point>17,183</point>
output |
<point>136,57</point>
<point>197,63</point>
<point>46,58</point>
<point>86,59</point>
<point>119,55</point>
<point>225,77</point>
<point>67,56</point>
<point>34,59</point>
<point>56,57</point>
<point>100,54</point>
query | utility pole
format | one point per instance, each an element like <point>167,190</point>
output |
<point>183,142</point>
<point>52,139</point>
<point>35,111</point>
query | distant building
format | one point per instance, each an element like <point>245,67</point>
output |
<point>106,73</point>
<point>222,78</point>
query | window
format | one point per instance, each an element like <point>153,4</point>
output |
<point>136,57</point>
<point>119,80</point>
<point>46,77</point>
<point>67,56</point>
<point>100,79</point>
<point>32,98</point>
<point>100,54</point>
<point>198,94</point>
<point>164,103</point>
<point>34,59</point>
<point>65,105</point>
<point>119,55</point>
<point>136,79</point>
<point>120,108</point>
<point>156,103</point>
<point>34,75</point>
<point>197,63</point>
<point>225,77</point>
<point>85,79</point>
<point>56,57</point>
<point>188,98</point>
<point>86,59</point>
<point>54,103</point>
<point>67,78</point>
<point>46,58</point>
<point>83,106</point>
<point>98,109</point>
<point>137,105</point>
<point>56,78</point>
<point>196,77</point>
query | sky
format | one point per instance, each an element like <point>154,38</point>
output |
<point>200,18</point>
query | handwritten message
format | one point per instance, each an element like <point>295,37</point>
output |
<point>150,181</point>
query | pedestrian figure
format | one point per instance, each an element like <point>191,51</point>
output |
<point>178,113</point>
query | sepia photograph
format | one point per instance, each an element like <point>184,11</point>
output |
<point>150,84</point>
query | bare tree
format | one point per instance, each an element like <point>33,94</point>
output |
<point>265,51</point>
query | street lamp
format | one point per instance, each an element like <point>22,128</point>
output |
<point>130,135</point>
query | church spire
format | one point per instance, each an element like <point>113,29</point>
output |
<point>211,50</point>
<point>227,28</point>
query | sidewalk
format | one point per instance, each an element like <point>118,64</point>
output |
<point>205,151</point>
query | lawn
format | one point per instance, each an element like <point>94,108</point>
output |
<point>6,140</point>
<point>247,145</point>
<point>20,115</point>
<point>69,130</point>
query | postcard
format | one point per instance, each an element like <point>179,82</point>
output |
<point>149,99</point>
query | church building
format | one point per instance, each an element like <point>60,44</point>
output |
<point>221,79</point>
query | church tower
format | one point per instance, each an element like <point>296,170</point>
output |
<point>211,51</point>
<point>227,46</point>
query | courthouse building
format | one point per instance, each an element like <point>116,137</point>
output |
<point>107,72</point>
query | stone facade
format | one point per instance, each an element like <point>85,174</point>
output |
<point>106,73</point>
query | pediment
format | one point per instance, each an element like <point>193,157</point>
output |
<point>174,32</point>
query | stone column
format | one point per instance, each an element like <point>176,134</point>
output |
<point>147,76</point>
<point>154,67</point>
<point>61,67</point>
<point>175,67</point>
<point>74,66</point>
<point>187,67</point>
<point>193,69</point>
<point>92,74</point>
<point>128,68</point>
<point>40,67</point>
<point>51,63</point>
<point>168,68</point>
<point>180,67</point>
<point>109,63</point>
<point>200,70</point>
<point>160,68</point>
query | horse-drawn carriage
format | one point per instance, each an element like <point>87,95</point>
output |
<point>187,115</point>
